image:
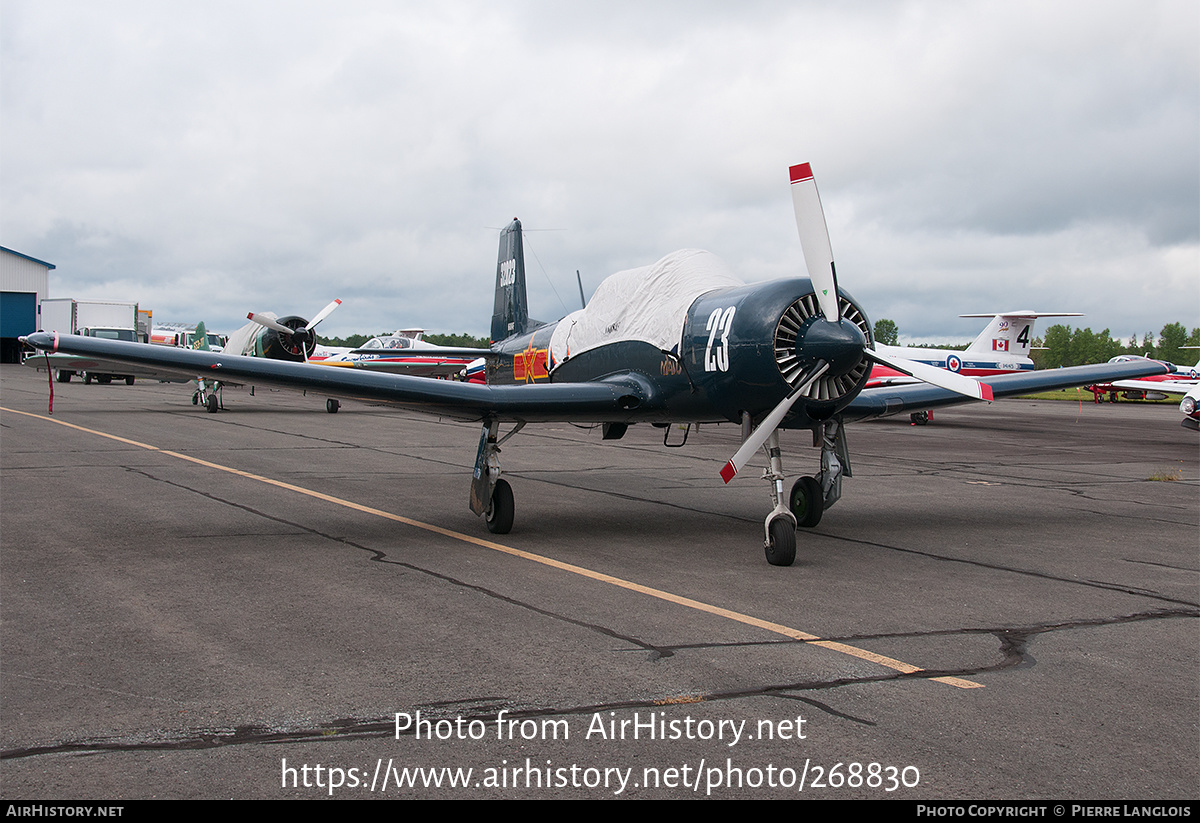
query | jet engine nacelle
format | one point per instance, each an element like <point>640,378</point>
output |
<point>747,347</point>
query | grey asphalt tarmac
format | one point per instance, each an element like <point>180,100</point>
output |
<point>1004,605</point>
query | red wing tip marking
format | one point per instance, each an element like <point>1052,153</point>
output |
<point>987,391</point>
<point>250,316</point>
<point>801,172</point>
<point>728,472</point>
<point>339,302</point>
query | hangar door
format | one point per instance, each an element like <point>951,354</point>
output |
<point>18,316</point>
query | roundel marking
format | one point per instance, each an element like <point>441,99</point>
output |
<point>953,363</point>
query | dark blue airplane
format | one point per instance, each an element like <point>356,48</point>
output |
<point>679,342</point>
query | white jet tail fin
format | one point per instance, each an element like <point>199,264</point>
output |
<point>1010,332</point>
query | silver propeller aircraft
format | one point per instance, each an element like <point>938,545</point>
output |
<point>678,342</point>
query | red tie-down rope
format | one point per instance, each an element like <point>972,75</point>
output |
<point>50,377</point>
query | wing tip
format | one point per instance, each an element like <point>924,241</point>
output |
<point>986,392</point>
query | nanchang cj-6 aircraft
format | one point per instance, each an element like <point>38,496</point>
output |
<point>680,341</point>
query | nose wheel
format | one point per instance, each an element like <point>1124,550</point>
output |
<point>781,542</point>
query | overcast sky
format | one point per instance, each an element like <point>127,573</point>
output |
<point>209,159</point>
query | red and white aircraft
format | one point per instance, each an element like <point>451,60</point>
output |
<point>1157,387</point>
<point>1001,348</point>
<point>404,352</point>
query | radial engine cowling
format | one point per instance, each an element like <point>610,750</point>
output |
<point>297,346</point>
<point>747,348</point>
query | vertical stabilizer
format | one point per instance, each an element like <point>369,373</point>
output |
<point>1010,332</point>
<point>200,338</point>
<point>511,314</point>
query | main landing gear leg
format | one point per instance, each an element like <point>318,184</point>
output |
<point>811,496</point>
<point>491,496</point>
<point>208,396</point>
<point>780,525</point>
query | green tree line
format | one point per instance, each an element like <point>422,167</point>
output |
<point>1064,346</point>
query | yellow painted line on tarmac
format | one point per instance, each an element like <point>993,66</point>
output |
<point>687,602</point>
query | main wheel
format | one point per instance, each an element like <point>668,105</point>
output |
<point>212,404</point>
<point>332,405</point>
<point>919,418</point>
<point>104,379</point>
<point>129,380</point>
<point>781,551</point>
<point>87,378</point>
<point>63,376</point>
<point>807,502</point>
<point>500,513</point>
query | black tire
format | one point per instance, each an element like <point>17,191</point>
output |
<point>807,502</point>
<point>104,379</point>
<point>195,398</point>
<point>129,381</point>
<point>919,418</point>
<point>63,376</point>
<point>87,378</point>
<point>500,513</point>
<point>211,404</point>
<point>332,405</point>
<point>781,551</point>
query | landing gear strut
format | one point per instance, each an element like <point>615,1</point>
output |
<point>809,497</point>
<point>780,525</point>
<point>491,496</point>
<point>209,397</point>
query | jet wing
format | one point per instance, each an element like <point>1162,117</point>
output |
<point>440,351</point>
<point>415,366</point>
<point>888,400</point>
<point>1160,386</point>
<point>612,399</point>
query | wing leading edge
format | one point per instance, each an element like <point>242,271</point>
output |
<point>615,399</point>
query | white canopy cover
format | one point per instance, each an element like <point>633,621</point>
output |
<point>648,303</point>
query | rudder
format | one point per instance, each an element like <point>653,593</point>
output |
<point>511,313</point>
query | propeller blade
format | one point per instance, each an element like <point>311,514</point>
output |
<point>814,239</point>
<point>323,313</point>
<point>770,423</point>
<point>270,323</point>
<point>932,374</point>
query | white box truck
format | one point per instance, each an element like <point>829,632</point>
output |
<point>91,318</point>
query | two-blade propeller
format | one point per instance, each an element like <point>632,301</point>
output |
<point>818,257</point>
<point>301,337</point>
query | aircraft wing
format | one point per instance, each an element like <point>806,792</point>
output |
<point>612,399</point>
<point>888,400</point>
<point>414,366</point>
<point>1160,386</point>
<point>440,351</point>
<point>79,364</point>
